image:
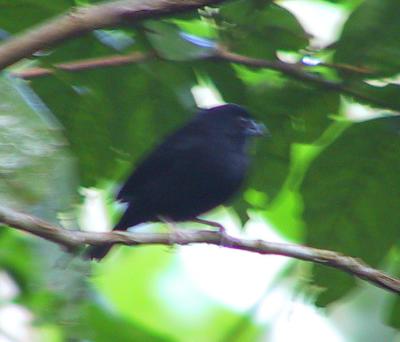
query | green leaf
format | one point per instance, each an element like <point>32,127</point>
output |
<point>17,15</point>
<point>16,258</point>
<point>84,47</point>
<point>370,38</point>
<point>173,44</point>
<point>293,113</point>
<point>224,78</point>
<point>394,318</point>
<point>304,110</point>
<point>260,31</point>
<point>112,119</point>
<point>351,198</point>
<point>197,27</point>
<point>387,96</point>
<point>101,325</point>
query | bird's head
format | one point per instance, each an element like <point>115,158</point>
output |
<point>232,120</point>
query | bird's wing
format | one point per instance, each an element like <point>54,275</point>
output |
<point>160,164</point>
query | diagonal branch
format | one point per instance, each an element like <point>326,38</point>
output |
<point>74,239</point>
<point>87,18</point>
<point>85,64</point>
<point>296,71</point>
<point>293,70</point>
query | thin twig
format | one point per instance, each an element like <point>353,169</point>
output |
<point>293,70</point>
<point>296,71</point>
<point>73,239</point>
<point>354,69</point>
<point>85,64</point>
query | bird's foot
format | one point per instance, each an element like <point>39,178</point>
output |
<point>219,226</point>
<point>221,229</point>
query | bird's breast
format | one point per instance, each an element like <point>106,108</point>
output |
<point>224,168</point>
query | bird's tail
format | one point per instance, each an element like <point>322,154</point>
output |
<point>129,218</point>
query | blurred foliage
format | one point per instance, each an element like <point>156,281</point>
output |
<point>373,28</point>
<point>34,154</point>
<point>260,30</point>
<point>320,180</point>
<point>358,200</point>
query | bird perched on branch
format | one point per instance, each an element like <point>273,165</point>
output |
<point>192,171</point>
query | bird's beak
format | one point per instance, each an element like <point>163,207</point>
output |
<point>256,129</point>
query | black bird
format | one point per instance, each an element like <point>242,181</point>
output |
<point>192,171</point>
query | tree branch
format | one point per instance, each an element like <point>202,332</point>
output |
<point>115,13</point>
<point>294,70</point>
<point>85,64</point>
<point>87,18</point>
<point>73,239</point>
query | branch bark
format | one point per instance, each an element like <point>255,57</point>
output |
<point>296,71</point>
<point>87,18</point>
<point>73,239</point>
<point>293,70</point>
<point>85,64</point>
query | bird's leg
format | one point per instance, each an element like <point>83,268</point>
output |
<point>221,228</point>
<point>172,228</point>
<point>170,224</point>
